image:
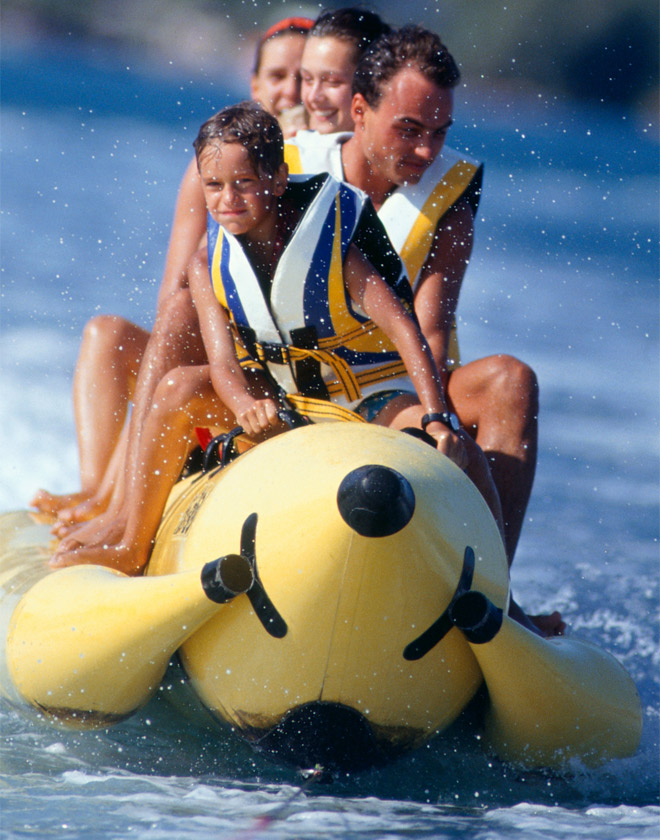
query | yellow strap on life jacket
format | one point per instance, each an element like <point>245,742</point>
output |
<point>321,410</point>
<point>332,341</point>
<point>287,354</point>
<point>379,373</point>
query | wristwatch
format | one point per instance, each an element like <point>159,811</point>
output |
<point>447,418</point>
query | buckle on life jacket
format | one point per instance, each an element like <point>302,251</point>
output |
<point>275,353</point>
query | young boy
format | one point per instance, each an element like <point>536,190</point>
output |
<point>284,286</point>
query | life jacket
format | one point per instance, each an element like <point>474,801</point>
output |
<point>412,212</point>
<point>306,332</point>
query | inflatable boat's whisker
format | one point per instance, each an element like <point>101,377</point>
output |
<point>420,646</point>
<point>262,605</point>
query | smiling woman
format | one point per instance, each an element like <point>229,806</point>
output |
<point>335,44</point>
<point>275,81</point>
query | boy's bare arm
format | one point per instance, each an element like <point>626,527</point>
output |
<point>256,412</point>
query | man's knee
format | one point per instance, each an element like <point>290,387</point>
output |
<point>512,382</point>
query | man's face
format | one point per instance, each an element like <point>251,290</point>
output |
<point>406,130</point>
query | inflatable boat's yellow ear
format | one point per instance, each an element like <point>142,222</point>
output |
<point>551,700</point>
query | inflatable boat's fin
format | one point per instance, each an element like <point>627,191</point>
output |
<point>555,699</point>
<point>88,645</point>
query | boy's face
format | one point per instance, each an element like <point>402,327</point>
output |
<point>238,197</point>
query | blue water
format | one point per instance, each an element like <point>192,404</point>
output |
<point>564,275</point>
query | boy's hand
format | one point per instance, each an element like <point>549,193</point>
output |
<point>449,443</point>
<point>259,416</point>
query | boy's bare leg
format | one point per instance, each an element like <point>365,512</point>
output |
<point>103,384</point>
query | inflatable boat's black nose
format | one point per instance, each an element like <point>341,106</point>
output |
<point>376,501</point>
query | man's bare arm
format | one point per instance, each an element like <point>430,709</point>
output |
<point>436,296</point>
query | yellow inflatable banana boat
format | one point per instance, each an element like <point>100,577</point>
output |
<point>337,595</point>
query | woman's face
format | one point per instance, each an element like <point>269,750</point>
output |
<point>327,71</point>
<point>277,84</point>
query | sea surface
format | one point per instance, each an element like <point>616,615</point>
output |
<point>564,275</point>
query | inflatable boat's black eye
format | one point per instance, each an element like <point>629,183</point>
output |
<point>376,501</point>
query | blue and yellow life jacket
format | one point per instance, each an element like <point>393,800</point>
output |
<point>306,332</point>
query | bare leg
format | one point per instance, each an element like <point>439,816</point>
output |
<point>175,341</point>
<point>184,398</point>
<point>103,384</point>
<point>70,519</point>
<point>497,401</point>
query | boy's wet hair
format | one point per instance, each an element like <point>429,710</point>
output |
<point>288,26</point>
<point>253,128</point>
<point>357,26</point>
<point>410,46</point>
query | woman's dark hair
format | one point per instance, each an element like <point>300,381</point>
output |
<point>250,125</point>
<point>357,26</point>
<point>410,46</point>
<point>288,26</point>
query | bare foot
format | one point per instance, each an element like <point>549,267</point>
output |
<point>53,503</point>
<point>125,558</point>
<point>107,529</point>
<point>62,528</point>
<point>543,625</point>
<point>550,625</point>
<point>83,511</point>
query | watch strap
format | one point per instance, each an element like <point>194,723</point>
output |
<point>444,417</point>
